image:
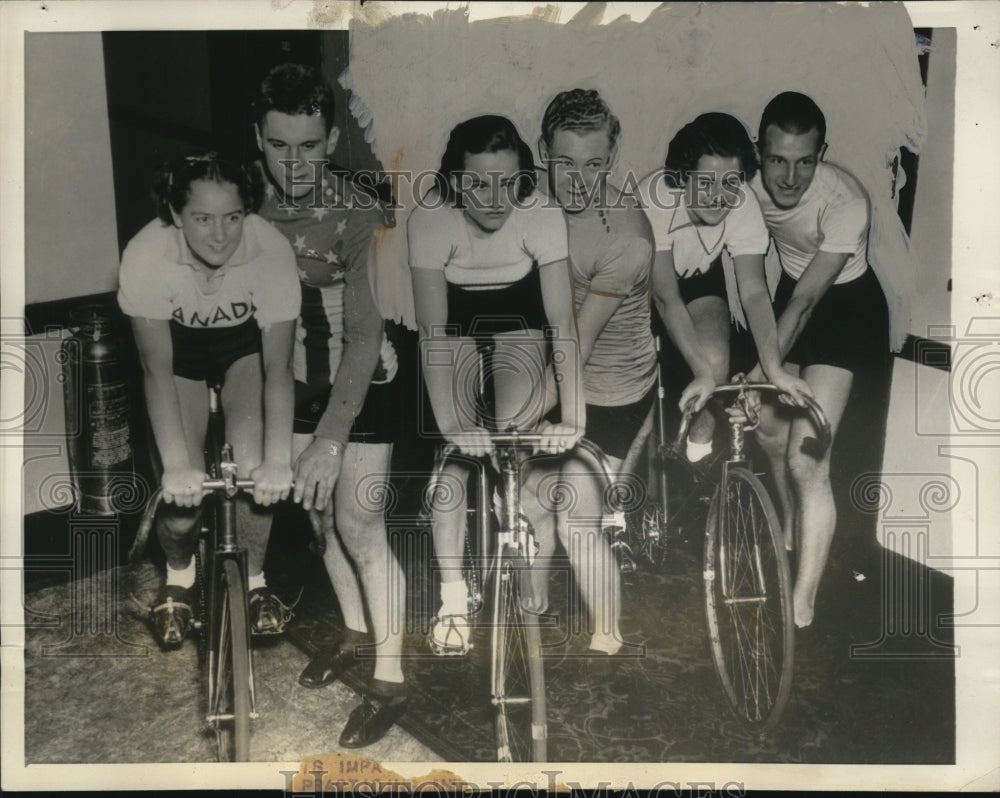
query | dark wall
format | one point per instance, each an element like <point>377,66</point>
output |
<point>174,93</point>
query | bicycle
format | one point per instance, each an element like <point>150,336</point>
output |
<point>747,581</point>
<point>517,674</point>
<point>223,619</point>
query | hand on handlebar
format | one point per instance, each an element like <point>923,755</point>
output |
<point>697,393</point>
<point>557,438</point>
<point>474,442</point>
<point>182,486</point>
<point>272,482</point>
<point>794,390</point>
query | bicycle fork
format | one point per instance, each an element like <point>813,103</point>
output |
<point>737,448</point>
<point>225,548</point>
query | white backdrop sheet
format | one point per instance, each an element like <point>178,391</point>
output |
<point>433,71</point>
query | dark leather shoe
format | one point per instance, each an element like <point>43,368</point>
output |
<point>172,615</point>
<point>371,719</point>
<point>327,666</point>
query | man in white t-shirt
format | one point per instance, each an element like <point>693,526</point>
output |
<point>831,315</point>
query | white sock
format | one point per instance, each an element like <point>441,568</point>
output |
<point>609,644</point>
<point>254,582</point>
<point>183,577</point>
<point>454,598</point>
<point>698,451</point>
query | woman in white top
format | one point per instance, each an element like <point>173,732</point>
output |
<point>212,292</point>
<point>493,297</point>
<point>698,206</point>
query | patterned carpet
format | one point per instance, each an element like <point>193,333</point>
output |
<point>894,705</point>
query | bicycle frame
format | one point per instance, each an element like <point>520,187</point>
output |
<point>746,575</point>
<point>517,689</point>
<point>223,548</point>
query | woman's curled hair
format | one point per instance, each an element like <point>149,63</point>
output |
<point>172,183</point>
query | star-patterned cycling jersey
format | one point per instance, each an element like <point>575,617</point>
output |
<point>332,231</point>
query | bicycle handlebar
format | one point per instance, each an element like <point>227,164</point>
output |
<point>220,484</point>
<point>142,534</point>
<point>814,447</point>
<point>530,439</point>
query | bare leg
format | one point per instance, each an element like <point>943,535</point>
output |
<point>817,513</point>
<point>243,407</point>
<point>360,507</point>
<point>177,526</point>
<point>772,435</point>
<point>338,568</point>
<point>539,499</point>
<point>519,375</point>
<point>710,315</point>
<point>579,526</point>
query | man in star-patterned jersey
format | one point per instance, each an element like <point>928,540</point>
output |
<point>342,442</point>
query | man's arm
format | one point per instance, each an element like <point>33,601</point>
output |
<point>362,341</point>
<point>557,297</point>
<point>819,275</point>
<point>751,282</point>
<point>318,467</point>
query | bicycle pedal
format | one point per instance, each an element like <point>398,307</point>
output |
<point>455,643</point>
<point>268,614</point>
<point>171,618</point>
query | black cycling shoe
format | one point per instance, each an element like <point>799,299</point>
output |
<point>268,615</point>
<point>327,666</point>
<point>371,720</point>
<point>172,615</point>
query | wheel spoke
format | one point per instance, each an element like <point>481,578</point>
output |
<point>748,600</point>
<point>517,676</point>
<point>230,702</point>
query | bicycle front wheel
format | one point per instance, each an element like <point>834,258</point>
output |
<point>229,669</point>
<point>517,672</point>
<point>748,599</point>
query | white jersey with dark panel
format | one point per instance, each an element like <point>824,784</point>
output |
<point>622,365</point>
<point>441,239</point>
<point>159,279</point>
<point>493,278</point>
<point>215,317</point>
<point>697,247</point>
<point>831,216</point>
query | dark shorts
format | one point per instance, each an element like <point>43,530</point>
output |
<point>614,429</point>
<point>207,353</point>
<point>483,314</point>
<point>708,283</point>
<point>849,327</point>
<point>378,421</point>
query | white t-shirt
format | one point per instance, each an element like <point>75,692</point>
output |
<point>159,280</point>
<point>440,238</point>
<point>832,216</point>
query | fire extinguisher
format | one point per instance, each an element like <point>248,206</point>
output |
<point>97,398</point>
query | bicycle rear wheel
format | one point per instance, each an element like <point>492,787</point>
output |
<point>517,672</point>
<point>229,669</point>
<point>748,599</point>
